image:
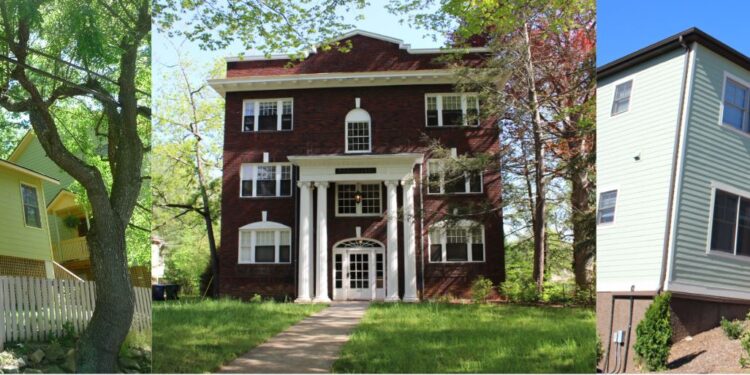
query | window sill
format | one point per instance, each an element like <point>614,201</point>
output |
<point>359,215</point>
<point>727,256</point>
<point>270,197</point>
<point>268,131</point>
<point>454,194</point>
<point>459,262</point>
<point>732,129</point>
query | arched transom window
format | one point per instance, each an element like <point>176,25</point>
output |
<point>358,243</point>
<point>358,131</point>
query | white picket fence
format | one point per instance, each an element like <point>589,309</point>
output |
<point>32,309</point>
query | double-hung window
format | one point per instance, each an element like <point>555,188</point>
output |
<point>266,180</point>
<point>31,214</point>
<point>621,102</point>
<point>730,226</point>
<point>358,129</point>
<point>358,199</point>
<point>452,110</point>
<point>459,242</point>
<point>443,180</point>
<point>267,115</point>
<point>736,99</point>
<point>607,203</point>
<point>265,246</point>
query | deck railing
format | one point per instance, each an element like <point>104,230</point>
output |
<point>75,249</point>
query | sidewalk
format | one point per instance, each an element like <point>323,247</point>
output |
<point>311,345</point>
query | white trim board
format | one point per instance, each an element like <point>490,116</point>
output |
<point>708,292</point>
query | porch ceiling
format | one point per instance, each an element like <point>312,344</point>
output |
<point>369,167</point>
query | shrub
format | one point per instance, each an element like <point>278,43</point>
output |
<point>520,290</point>
<point>745,343</point>
<point>655,335</point>
<point>557,292</point>
<point>481,288</point>
<point>733,329</point>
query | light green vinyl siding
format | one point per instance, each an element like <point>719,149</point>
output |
<point>36,159</point>
<point>630,250</point>
<point>17,239</point>
<point>713,154</point>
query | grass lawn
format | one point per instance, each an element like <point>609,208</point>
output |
<point>443,338</point>
<point>197,337</point>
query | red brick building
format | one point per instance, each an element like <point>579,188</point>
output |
<point>324,163</point>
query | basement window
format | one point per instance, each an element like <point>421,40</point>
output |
<point>31,214</point>
<point>267,115</point>
<point>451,110</point>
<point>607,205</point>
<point>730,223</point>
<point>457,242</point>
<point>265,180</point>
<point>621,103</point>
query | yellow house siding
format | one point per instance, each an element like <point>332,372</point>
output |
<point>16,238</point>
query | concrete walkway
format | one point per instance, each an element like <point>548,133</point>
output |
<point>311,345</point>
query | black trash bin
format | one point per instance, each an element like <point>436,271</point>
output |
<point>172,291</point>
<point>157,292</point>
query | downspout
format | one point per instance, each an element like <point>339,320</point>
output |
<point>675,161</point>
<point>421,227</point>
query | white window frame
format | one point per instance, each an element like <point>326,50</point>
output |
<point>598,207</point>
<point>354,117</point>
<point>38,203</point>
<point>716,186</point>
<point>439,100</point>
<point>467,225</point>
<point>746,115</point>
<point>629,97</point>
<point>467,180</point>
<point>254,178</point>
<point>277,244</point>
<point>256,109</point>
<point>358,206</point>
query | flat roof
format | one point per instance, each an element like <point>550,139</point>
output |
<point>669,44</point>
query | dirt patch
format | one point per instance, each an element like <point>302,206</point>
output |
<point>707,352</point>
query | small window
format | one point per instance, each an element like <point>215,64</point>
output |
<point>358,199</point>
<point>735,105</point>
<point>607,203</point>
<point>621,102</point>
<point>265,246</point>
<point>730,227</point>
<point>265,180</point>
<point>444,181</point>
<point>267,115</point>
<point>459,242</point>
<point>451,110</point>
<point>358,137</point>
<point>31,214</point>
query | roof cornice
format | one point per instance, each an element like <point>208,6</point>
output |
<point>322,80</point>
<point>669,44</point>
<point>26,171</point>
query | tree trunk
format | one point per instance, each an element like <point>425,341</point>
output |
<point>207,217</point>
<point>583,219</point>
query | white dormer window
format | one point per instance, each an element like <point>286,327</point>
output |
<point>267,115</point>
<point>621,103</point>
<point>452,110</point>
<point>265,242</point>
<point>358,137</point>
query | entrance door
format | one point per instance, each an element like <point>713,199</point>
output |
<point>359,273</point>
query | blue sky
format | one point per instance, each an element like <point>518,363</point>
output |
<point>377,19</point>
<point>627,26</point>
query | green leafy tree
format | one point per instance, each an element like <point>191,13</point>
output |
<point>654,334</point>
<point>80,72</point>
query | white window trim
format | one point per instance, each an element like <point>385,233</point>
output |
<point>346,138</point>
<point>746,117</point>
<point>277,245</point>
<point>731,190</point>
<point>439,103</point>
<point>614,95</point>
<point>466,225</point>
<point>256,110</point>
<point>23,206</point>
<point>467,181</point>
<point>358,206</point>
<point>277,173</point>
<point>617,204</point>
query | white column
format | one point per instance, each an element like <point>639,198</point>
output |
<point>321,287</point>
<point>410,246</point>
<point>305,225</point>
<point>391,291</point>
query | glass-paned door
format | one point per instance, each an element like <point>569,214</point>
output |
<point>359,276</point>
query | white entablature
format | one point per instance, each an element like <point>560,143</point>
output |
<point>379,167</point>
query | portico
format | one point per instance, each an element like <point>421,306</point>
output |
<point>359,264</point>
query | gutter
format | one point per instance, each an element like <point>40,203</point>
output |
<point>675,166</point>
